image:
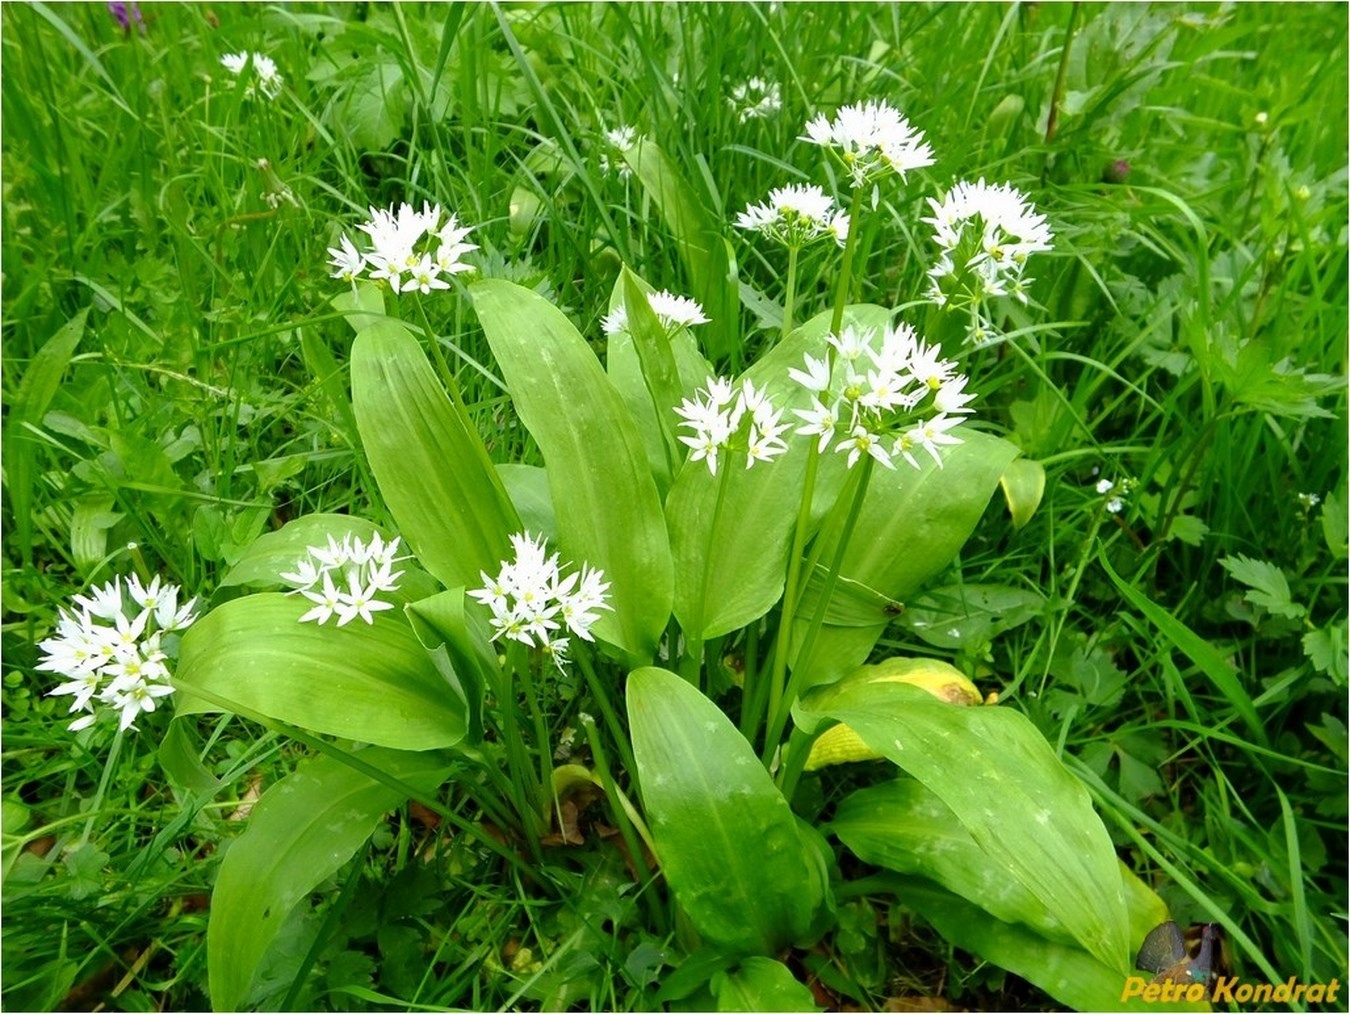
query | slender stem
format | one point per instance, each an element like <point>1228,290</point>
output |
<point>791,590</point>
<point>779,716</point>
<point>789,300</point>
<point>1061,79</point>
<point>108,767</point>
<point>846,268</point>
<point>627,829</point>
<point>438,354</point>
<point>542,747</point>
<point>598,691</point>
<point>524,777</point>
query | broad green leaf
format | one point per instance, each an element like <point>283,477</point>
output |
<point>608,511</point>
<point>698,237</point>
<point>655,354</point>
<point>1207,657</point>
<point>90,519</point>
<point>903,826</point>
<point>373,683</point>
<point>761,984</point>
<point>1070,974</point>
<point>461,648</point>
<point>727,840</point>
<point>913,523</point>
<point>362,305</point>
<point>623,364</point>
<point>302,830</point>
<point>42,378</point>
<point>1023,486</point>
<point>527,485</point>
<point>991,766</point>
<point>970,615</point>
<point>433,471</point>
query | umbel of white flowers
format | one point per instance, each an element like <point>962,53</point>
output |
<point>363,572</point>
<point>871,139</point>
<point>264,68</point>
<point>113,649</point>
<point>885,400</point>
<point>985,233</point>
<point>671,310</point>
<point>531,600</point>
<point>795,216</point>
<point>721,414</point>
<point>411,250</point>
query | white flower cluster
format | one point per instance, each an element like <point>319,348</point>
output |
<point>1115,495</point>
<point>671,310</point>
<point>756,99</point>
<point>531,600</point>
<point>620,139</point>
<point>985,233</point>
<point>796,215</point>
<point>113,650</point>
<point>363,570</point>
<point>721,412</point>
<point>409,249</point>
<point>873,139</point>
<point>263,66</point>
<point>870,398</point>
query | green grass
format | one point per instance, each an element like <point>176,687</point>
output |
<point>1192,338</point>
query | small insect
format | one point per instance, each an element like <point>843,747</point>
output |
<point>1165,953</point>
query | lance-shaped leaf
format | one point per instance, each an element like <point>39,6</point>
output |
<point>726,838</point>
<point>300,832</point>
<point>761,984</point>
<point>993,769</point>
<point>698,237</point>
<point>626,365</point>
<point>913,523</point>
<point>1068,973</point>
<point>369,682</point>
<point>432,469</point>
<point>608,511</point>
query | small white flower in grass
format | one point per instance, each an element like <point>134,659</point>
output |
<point>362,569</point>
<point>929,435</point>
<point>347,261</point>
<point>264,69</point>
<point>620,139</point>
<point>860,441</point>
<point>113,653</point>
<point>755,99</point>
<point>1115,493</point>
<point>676,311</point>
<point>872,139</point>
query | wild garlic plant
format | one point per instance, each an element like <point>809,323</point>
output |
<point>755,530</point>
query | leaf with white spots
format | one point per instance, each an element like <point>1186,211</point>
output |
<point>994,770</point>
